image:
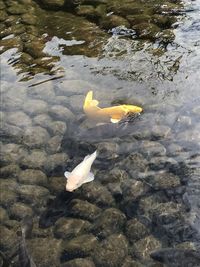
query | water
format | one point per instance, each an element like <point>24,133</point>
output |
<point>145,197</point>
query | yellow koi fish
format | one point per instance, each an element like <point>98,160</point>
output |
<point>114,114</point>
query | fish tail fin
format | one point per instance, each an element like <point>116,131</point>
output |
<point>90,102</point>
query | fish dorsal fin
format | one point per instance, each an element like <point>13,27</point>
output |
<point>67,174</point>
<point>89,178</point>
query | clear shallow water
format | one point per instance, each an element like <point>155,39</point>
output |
<point>147,172</point>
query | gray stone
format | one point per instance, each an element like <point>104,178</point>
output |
<point>82,245</point>
<point>19,210</point>
<point>97,194</point>
<point>134,162</point>
<point>76,102</point>
<point>54,144</point>
<point>67,228</point>
<point>150,149</point>
<point>161,131</point>
<point>75,87</point>
<point>12,132</point>
<point>34,107</point>
<point>19,119</point>
<point>34,194</point>
<point>35,160</point>
<point>8,239</point>
<point>116,175</point>
<point>3,215</point>
<point>57,128</point>
<point>111,252</point>
<point>136,230</point>
<point>43,91</point>
<point>84,210</point>
<point>51,4</point>
<point>42,120</point>
<point>133,189</point>
<point>34,177</point>
<point>36,136</point>
<point>107,150</point>
<point>109,222</point>
<point>61,113</point>
<point>82,262</point>
<point>129,262</point>
<point>45,252</point>
<point>57,184</point>
<point>164,180</point>
<point>56,160</point>
<point>143,247</point>
<point>163,163</point>
<point>12,153</point>
<point>29,19</point>
<point>7,197</point>
<point>11,170</point>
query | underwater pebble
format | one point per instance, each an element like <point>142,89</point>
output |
<point>19,210</point>
<point>84,210</point>
<point>33,194</point>
<point>35,136</point>
<point>143,247</point>
<point>61,113</point>
<point>3,215</point>
<point>19,119</point>
<point>109,222</point>
<point>43,91</point>
<point>97,194</point>
<point>82,262</point>
<point>76,102</point>
<point>45,251</point>
<point>8,239</point>
<point>57,184</point>
<point>55,161</point>
<point>136,230</point>
<point>11,170</point>
<point>57,128</point>
<point>74,87</point>
<point>75,248</point>
<point>107,150</point>
<point>35,160</point>
<point>150,149</point>
<point>135,162</point>
<point>12,153</point>
<point>111,252</point>
<point>160,131</point>
<point>33,177</point>
<point>34,107</point>
<point>163,163</point>
<point>129,262</point>
<point>42,120</point>
<point>54,144</point>
<point>67,228</point>
<point>7,197</point>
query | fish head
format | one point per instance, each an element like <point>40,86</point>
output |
<point>73,182</point>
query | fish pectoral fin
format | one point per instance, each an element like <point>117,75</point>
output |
<point>114,120</point>
<point>89,178</point>
<point>66,174</point>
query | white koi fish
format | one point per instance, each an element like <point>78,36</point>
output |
<point>81,173</point>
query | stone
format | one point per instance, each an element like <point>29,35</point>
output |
<point>81,246</point>
<point>7,197</point>
<point>3,215</point>
<point>35,49</point>
<point>97,194</point>
<point>57,184</point>
<point>51,4</point>
<point>146,30</point>
<point>113,21</point>
<point>19,119</point>
<point>76,102</point>
<point>35,136</point>
<point>75,87</point>
<point>107,150</point>
<point>34,194</point>
<point>67,228</point>
<point>19,210</point>
<point>43,91</point>
<point>129,262</point>
<point>17,9</point>
<point>61,113</point>
<point>84,210</point>
<point>33,177</point>
<point>160,132</point>
<point>54,144</point>
<point>35,107</point>
<point>45,252</point>
<point>109,222</point>
<point>11,170</point>
<point>29,19</point>
<point>163,163</point>
<point>8,239</point>
<point>35,160</point>
<point>136,230</point>
<point>57,128</point>
<point>12,132</point>
<point>133,189</point>
<point>164,180</point>
<point>135,162</point>
<point>43,120</point>
<point>143,247</point>
<point>111,252</point>
<point>12,153</point>
<point>82,262</point>
<point>151,149</point>
<point>54,161</point>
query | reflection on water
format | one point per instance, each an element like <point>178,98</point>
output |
<point>143,207</point>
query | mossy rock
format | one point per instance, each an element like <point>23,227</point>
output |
<point>113,21</point>
<point>146,30</point>
<point>137,19</point>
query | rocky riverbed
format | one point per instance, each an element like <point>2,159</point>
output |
<point>142,209</point>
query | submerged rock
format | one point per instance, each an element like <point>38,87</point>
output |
<point>34,177</point>
<point>36,136</point>
<point>45,251</point>
<point>61,113</point>
<point>52,4</point>
<point>84,210</point>
<point>111,251</point>
<point>79,262</point>
<point>8,239</point>
<point>81,246</point>
<point>109,222</point>
<point>19,119</point>
<point>67,228</point>
<point>3,215</point>
<point>136,230</point>
<point>19,210</point>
